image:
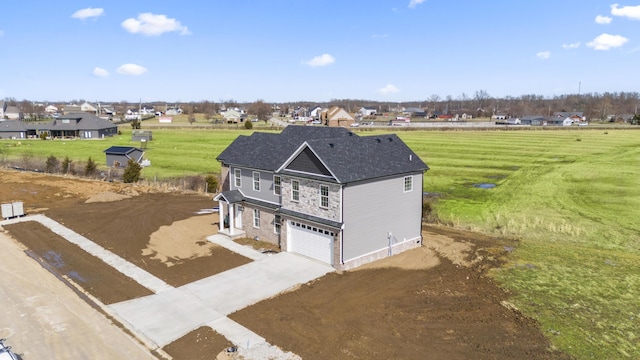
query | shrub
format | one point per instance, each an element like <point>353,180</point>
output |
<point>132,172</point>
<point>428,212</point>
<point>90,168</point>
<point>193,183</point>
<point>66,165</point>
<point>43,135</point>
<point>52,164</point>
<point>248,125</point>
<point>212,183</point>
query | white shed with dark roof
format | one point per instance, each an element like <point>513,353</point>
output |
<point>119,156</point>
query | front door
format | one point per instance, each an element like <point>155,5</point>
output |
<point>238,220</point>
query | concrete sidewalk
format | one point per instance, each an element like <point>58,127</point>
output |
<point>134,272</point>
<point>168,315</point>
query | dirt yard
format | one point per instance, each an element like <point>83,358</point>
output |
<point>435,302</point>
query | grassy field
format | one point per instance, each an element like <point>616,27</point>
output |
<point>572,199</point>
<point>570,196</point>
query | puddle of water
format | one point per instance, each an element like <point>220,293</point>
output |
<point>484,186</point>
<point>54,259</point>
<point>74,275</point>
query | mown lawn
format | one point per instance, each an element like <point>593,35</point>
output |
<point>570,196</point>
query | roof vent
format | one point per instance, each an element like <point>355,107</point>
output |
<point>390,139</point>
<point>378,141</point>
<point>330,145</point>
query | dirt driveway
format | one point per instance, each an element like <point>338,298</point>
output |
<point>430,303</point>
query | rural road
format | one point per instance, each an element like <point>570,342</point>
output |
<point>42,318</point>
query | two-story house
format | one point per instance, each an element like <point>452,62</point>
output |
<point>325,193</point>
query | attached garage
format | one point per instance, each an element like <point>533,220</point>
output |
<point>311,241</point>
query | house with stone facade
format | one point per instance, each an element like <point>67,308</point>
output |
<point>323,192</point>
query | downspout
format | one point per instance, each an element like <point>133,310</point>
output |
<point>342,227</point>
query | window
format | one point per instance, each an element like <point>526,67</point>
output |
<point>237,178</point>
<point>324,196</point>
<point>256,181</point>
<point>276,184</point>
<point>408,183</point>
<point>295,190</point>
<point>256,218</point>
<point>276,224</point>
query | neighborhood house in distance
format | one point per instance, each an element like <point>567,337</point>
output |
<point>80,125</point>
<point>323,192</point>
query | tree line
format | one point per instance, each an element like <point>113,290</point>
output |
<point>479,104</point>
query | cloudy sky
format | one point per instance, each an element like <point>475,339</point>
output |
<point>315,50</point>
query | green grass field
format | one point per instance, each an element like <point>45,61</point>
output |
<point>570,197</point>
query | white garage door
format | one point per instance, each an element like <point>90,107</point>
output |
<point>310,241</point>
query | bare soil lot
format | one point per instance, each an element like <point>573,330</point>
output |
<point>436,302</point>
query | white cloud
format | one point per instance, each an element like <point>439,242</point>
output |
<point>389,89</point>
<point>131,69</point>
<point>100,72</point>
<point>322,60</point>
<point>152,24</point>
<point>544,55</point>
<point>631,12</point>
<point>607,41</point>
<point>571,46</point>
<point>603,20</point>
<point>88,13</point>
<point>414,3</point>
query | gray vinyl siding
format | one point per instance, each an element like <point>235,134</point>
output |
<point>246,187</point>
<point>372,210</point>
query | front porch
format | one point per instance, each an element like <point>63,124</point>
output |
<point>230,212</point>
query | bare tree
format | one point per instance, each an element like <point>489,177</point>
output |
<point>260,109</point>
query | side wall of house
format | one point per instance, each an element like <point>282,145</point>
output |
<point>381,218</point>
<point>246,184</point>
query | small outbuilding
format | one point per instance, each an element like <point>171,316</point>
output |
<point>119,156</point>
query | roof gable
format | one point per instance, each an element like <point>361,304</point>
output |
<point>307,162</point>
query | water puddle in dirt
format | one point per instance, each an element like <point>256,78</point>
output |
<point>54,259</point>
<point>484,186</point>
<point>75,276</point>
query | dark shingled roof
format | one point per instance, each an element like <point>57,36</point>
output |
<point>120,150</point>
<point>348,156</point>
<point>367,157</point>
<point>12,126</point>
<point>267,151</point>
<point>80,121</point>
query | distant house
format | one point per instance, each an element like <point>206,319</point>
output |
<point>3,107</point>
<point>232,116</point>
<point>323,192</point>
<point>367,111</point>
<point>173,110</point>
<point>337,117</point>
<point>68,109</point>
<point>13,113</point>
<point>119,156</point>
<point>81,125</point>
<point>557,121</point>
<point>12,129</point>
<point>51,109</point>
<point>89,107</point>
<point>573,115</point>
<point>533,120</point>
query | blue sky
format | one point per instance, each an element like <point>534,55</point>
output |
<point>313,50</point>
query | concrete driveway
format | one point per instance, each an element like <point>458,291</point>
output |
<point>170,314</point>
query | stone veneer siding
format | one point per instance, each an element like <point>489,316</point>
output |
<point>309,202</point>
<point>266,231</point>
